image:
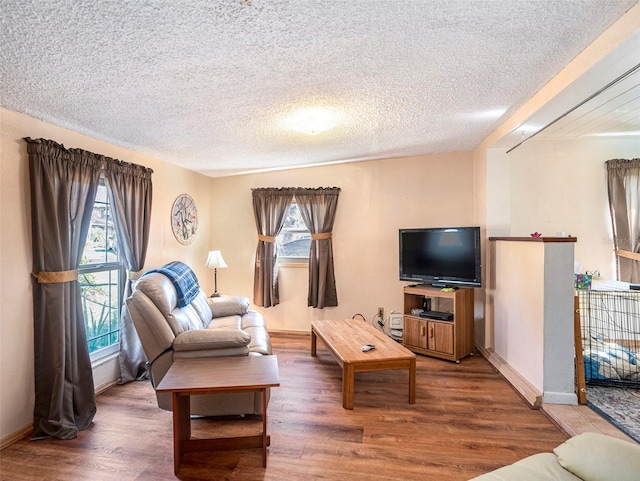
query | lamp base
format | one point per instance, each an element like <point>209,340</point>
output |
<point>215,294</point>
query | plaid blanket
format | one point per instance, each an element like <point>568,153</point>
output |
<point>183,279</point>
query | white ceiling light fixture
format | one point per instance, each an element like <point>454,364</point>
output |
<point>313,120</point>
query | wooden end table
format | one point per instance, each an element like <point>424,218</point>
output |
<point>344,338</point>
<point>189,377</point>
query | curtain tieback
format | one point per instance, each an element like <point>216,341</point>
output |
<point>628,254</point>
<point>56,276</point>
<point>266,238</point>
<point>321,236</point>
<point>135,275</point>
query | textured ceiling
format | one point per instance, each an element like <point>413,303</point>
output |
<point>208,84</point>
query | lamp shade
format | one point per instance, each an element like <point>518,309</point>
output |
<point>215,260</point>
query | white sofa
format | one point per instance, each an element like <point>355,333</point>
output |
<point>586,457</point>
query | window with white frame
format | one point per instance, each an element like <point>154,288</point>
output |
<point>294,239</point>
<point>101,274</point>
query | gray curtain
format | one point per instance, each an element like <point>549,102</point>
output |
<point>270,209</point>
<point>623,178</point>
<point>63,186</point>
<point>130,192</point>
<point>318,210</point>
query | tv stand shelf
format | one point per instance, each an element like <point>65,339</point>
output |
<point>451,340</point>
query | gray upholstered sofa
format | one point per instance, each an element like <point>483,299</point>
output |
<point>206,327</point>
<point>586,457</point>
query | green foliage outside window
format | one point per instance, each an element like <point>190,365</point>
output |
<point>100,315</point>
<point>101,277</point>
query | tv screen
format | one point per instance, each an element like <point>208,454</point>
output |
<point>442,256</point>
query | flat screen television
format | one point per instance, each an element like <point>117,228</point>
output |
<point>441,256</point>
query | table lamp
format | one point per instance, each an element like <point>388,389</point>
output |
<point>215,261</point>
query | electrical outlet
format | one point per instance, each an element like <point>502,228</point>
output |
<point>381,313</point>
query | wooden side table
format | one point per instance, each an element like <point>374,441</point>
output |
<point>188,377</point>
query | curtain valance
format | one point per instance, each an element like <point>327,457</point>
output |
<point>286,191</point>
<point>55,151</point>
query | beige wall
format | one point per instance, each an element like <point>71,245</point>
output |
<point>560,186</point>
<point>481,194</point>
<point>377,198</point>
<point>16,313</point>
<point>519,337</point>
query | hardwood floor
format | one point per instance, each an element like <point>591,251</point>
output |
<point>466,421</point>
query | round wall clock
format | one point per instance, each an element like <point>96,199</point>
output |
<point>184,219</point>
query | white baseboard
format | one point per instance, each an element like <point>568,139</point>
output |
<point>529,393</point>
<point>16,436</point>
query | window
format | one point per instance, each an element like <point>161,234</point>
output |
<point>294,239</point>
<point>102,275</point>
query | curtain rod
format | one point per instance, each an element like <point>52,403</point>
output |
<point>592,96</point>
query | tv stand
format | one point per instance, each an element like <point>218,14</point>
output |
<point>446,339</point>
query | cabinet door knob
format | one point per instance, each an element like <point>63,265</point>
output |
<point>431,332</point>
<point>423,330</point>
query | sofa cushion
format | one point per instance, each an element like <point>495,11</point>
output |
<point>201,306</point>
<point>204,339</point>
<point>160,290</point>
<point>183,279</point>
<point>210,353</point>
<point>539,467</point>
<point>162,293</point>
<point>228,305</point>
<point>597,457</point>
<point>226,322</point>
<point>185,319</point>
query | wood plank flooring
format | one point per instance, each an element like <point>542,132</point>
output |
<point>466,421</point>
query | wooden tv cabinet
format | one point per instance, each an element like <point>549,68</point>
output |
<point>451,340</point>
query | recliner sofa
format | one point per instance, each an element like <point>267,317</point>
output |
<point>205,327</point>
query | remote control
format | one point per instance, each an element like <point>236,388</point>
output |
<point>367,347</point>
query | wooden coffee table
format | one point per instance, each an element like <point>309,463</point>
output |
<point>189,377</point>
<point>344,338</point>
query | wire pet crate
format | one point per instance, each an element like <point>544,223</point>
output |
<point>610,324</point>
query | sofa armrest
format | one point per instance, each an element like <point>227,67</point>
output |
<point>598,457</point>
<point>211,339</point>
<point>228,305</point>
<point>538,467</point>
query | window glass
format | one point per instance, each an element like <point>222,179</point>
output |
<point>294,239</point>
<point>101,276</point>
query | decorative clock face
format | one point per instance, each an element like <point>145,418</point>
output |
<point>184,219</point>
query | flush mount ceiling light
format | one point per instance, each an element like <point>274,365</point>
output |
<point>313,120</point>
